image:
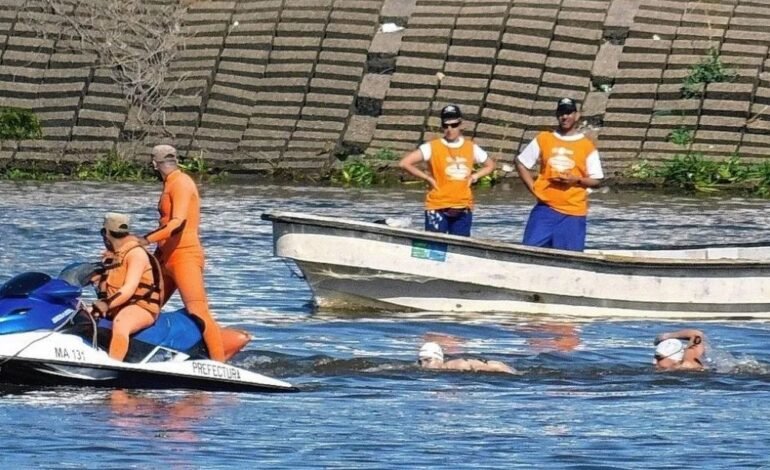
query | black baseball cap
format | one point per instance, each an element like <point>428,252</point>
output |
<point>566,106</point>
<point>450,112</point>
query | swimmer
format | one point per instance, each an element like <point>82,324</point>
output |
<point>680,350</point>
<point>431,356</point>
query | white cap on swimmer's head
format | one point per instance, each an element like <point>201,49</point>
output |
<point>670,349</point>
<point>431,351</point>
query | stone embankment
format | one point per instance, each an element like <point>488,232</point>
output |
<point>291,84</point>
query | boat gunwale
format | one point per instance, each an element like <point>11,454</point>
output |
<point>515,248</point>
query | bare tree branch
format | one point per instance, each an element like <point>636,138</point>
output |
<point>136,41</point>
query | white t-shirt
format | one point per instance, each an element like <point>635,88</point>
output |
<point>479,154</point>
<point>531,155</point>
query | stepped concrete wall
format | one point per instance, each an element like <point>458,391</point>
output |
<point>291,83</point>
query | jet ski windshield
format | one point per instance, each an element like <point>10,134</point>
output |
<point>80,274</point>
<point>23,284</point>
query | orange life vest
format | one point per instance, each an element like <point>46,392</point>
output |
<point>148,293</point>
<point>565,157</point>
<point>450,167</point>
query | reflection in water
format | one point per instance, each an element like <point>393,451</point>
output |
<point>175,419</point>
<point>564,337</point>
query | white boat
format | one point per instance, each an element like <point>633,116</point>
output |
<point>353,265</point>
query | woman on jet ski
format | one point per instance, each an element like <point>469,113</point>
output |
<point>130,288</point>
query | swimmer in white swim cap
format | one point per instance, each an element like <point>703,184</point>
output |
<point>679,350</point>
<point>431,356</point>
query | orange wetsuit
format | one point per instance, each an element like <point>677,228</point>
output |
<point>181,254</point>
<point>131,287</point>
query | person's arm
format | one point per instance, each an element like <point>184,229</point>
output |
<point>409,164</point>
<point>497,366</point>
<point>525,176</point>
<point>137,261</point>
<point>692,336</point>
<point>525,161</point>
<point>180,196</point>
<point>487,168</point>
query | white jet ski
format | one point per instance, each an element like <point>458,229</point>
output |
<point>46,339</point>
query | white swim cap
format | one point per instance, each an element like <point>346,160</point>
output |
<point>431,351</point>
<point>671,348</point>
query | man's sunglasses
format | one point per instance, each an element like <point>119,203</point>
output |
<point>453,125</point>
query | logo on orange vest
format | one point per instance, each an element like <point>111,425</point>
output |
<point>457,169</point>
<point>561,160</point>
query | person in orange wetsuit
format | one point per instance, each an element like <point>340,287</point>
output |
<point>180,252</point>
<point>130,287</point>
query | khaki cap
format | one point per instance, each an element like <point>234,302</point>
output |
<point>117,223</point>
<point>163,152</point>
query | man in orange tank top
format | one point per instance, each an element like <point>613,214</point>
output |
<point>450,161</point>
<point>180,252</point>
<point>569,165</point>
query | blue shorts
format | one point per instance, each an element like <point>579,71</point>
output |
<point>551,229</point>
<point>451,221</point>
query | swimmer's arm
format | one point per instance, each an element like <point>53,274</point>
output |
<point>497,366</point>
<point>459,364</point>
<point>692,336</point>
<point>180,203</point>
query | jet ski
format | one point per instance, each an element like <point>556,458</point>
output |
<point>47,338</point>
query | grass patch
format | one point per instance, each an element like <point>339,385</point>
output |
<point>709,70</point>
<point>695,173</point>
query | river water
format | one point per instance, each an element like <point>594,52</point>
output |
<point>587,396</point>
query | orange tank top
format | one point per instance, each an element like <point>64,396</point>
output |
<point>559,156</point>
<point>451,168</point>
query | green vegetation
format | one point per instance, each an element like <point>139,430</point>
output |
<point>695,172</point>
<point>682,136</point>
<point>709,70</point>
<point>19,124</point>
<point>110,167</point>
<point>113,167</point>
<point>365,170</point>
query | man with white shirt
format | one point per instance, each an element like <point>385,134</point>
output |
<point>450,173</point>
<point>569,165</point>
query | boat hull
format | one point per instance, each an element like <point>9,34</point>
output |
<point>353,265</point>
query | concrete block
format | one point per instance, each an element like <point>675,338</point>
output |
<point>326,113</point>
<point>329,100</point>
<point>476,38</point>
<point>605,67</point>
<point>523,89</point>
<point>481,55</point>
<point>343,58</point>
<point>339,72</point>
<point>397,11</point>
<point>423,50</point>
<point>350,31</point>
<point>521,59</point>
<point>371,94</point>
<point>325,85</point>
<point>346,45</point>
<point>406,108</point>
<point>407,80</point>
<point>427,35</point>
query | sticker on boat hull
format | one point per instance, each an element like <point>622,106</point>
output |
<point>434,251</point>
